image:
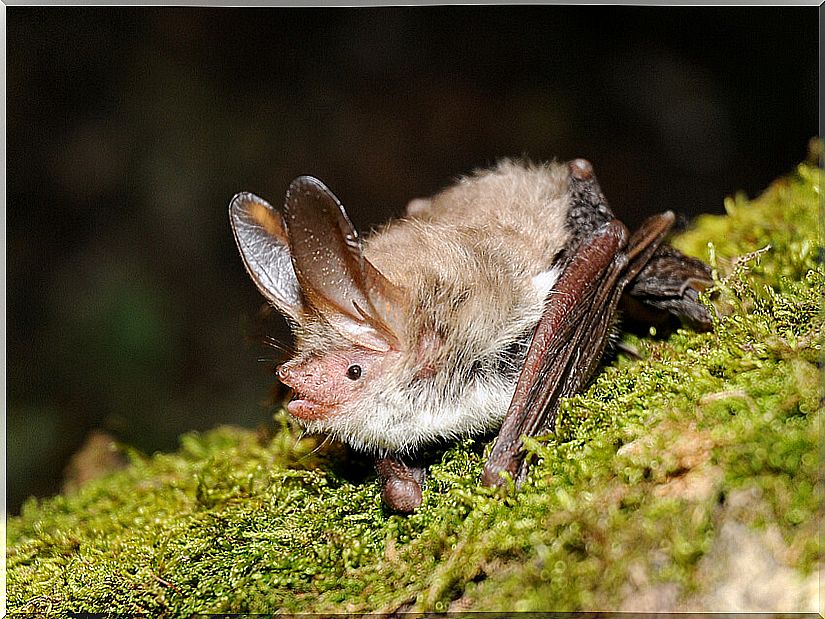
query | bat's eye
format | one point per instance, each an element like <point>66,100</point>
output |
<point>354,372</point>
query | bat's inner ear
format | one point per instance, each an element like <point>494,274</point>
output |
<point>359,331</point>
<point>335,277</point>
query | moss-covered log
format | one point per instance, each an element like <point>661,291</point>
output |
<point>688,479</point>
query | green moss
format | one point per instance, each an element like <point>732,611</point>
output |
<point>632,488</point>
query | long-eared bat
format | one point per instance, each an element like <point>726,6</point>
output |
<point>477,311</point>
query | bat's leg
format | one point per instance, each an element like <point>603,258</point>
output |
<point>667,287</point>
<point>401,483</point>
<point>571,335</point>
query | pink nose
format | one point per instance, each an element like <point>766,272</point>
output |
<point>283,374</point>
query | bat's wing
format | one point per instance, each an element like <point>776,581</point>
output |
<point>571,335</point>
<point>669,286</point>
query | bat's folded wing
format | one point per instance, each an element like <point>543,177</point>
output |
<point>571,335</point>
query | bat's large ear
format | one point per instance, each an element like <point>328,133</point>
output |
<point>335,277</point>
<point>262,240</point>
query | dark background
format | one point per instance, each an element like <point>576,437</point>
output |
<point>130,129</point>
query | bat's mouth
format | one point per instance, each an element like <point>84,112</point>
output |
<point>306,409</point>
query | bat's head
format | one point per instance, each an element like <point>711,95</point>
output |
<point>331,387</point>
<point>350,321</point>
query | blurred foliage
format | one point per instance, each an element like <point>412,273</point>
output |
<point>129,130</point>
<point>627,501</point>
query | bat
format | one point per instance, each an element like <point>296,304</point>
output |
<point>476,311</point>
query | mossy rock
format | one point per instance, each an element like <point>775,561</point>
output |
<point>688,479</point>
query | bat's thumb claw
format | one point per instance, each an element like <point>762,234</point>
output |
<point>490,479</point>
<point>494,477</point>
<point>581,169</point>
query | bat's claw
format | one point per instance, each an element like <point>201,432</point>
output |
<point>581,169</point>
<point>401,484</point>
<point>509,462</point>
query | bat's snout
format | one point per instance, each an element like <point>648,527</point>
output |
<point>301,407</point>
